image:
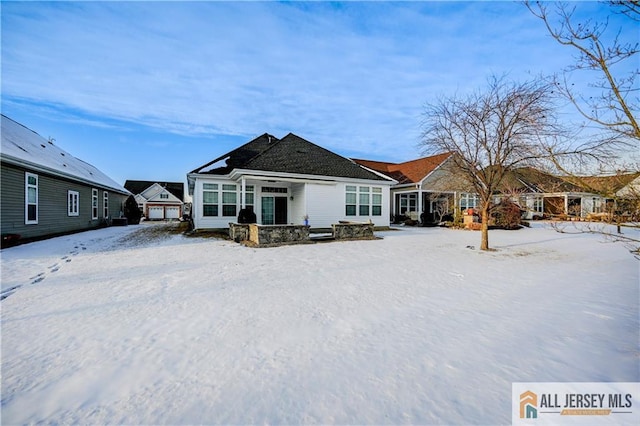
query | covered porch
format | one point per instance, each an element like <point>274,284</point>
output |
<point>427,207</point>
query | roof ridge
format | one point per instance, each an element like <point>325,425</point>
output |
<point>228,154</point>
<point>323,148</point>
<point>267,149</point>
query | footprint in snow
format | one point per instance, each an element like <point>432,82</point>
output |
<point>455,274</point>
<point>37,280</point>
<point>8,292</point>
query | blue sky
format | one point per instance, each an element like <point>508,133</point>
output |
<point>152,90</point>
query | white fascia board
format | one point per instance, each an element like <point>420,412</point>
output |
<point>562,194</point>
<point>237,174</point>
<point>54,172</point>
<point>407,185</point>
<point>382,175</point>
<point>434,170</point>
<point>172,199</point>
<point>152,191</point>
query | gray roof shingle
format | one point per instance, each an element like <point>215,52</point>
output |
<point>291,154</point>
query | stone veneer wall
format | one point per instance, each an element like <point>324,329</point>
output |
<point>239,232</point>
<point>352,231</point>
<point>264,235</point>
<point>278,234</point>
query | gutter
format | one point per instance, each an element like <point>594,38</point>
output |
<point>40,168</point>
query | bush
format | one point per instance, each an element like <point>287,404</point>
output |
<point>506,215</point>
<point>131,211</point>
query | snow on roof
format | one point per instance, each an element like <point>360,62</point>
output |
<point>23,146</point>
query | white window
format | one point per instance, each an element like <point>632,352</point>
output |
<point>31,199</point>
<point>249,195</point>
<point>94,204</point>
<point>164,196</point>
<point>229,200</point>
<point>596,205</point>
<point>469,201</point>
<point>538,205</point>
<point>73,201</point>
<point>351,200</point>
<point>274,190</point>
<point>376,201</point>
<point>363,201</point>
<point>105,204</point>
<point>408,203</point>
<point>209,199</point>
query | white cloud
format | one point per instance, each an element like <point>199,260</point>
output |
<point>348,76</point>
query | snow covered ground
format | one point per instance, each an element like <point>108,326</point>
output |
<point>105,327</point>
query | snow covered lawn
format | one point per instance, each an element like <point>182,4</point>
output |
<point>103,328</point>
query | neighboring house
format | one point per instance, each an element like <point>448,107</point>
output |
<point>427,189</point>
<point>630,187</point>
<point>47,191</point>
<point>431,187</point>
<point>287,181</point>
<point>621,192</point>
<point>544,195</point>
<point>158,200</point>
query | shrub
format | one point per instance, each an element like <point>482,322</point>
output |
<point>506,215</point>
<point>131,211</point>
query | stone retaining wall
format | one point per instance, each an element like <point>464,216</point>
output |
<point>239,232</point>
<point>271,235</point>
<point>278,234</point>
<point>353,231</point>
<point>264,235</point>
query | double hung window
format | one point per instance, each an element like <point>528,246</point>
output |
<point>31,199</point>
<point>73,203</point>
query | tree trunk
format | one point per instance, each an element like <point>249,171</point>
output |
<point>484,230</point>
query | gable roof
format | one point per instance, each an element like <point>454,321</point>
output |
<point>529,179</point>
<point>412,171</point>
<point>291,154</point>
<point>26,148</point>
<point>607,185</point>
<point>139,186</point>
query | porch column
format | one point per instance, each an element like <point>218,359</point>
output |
<point>566,204</point>
<point>419,204</point>
<point>243,189</point>
<point>392,202</point>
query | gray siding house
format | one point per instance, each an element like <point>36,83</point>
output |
<point>46,191</point>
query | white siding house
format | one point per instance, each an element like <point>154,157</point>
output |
<point>287,181</point>
<point>158,200</point>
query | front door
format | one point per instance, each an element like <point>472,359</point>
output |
<point>274,210</point>
<point>281,210</point>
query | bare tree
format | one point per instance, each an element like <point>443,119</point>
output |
<point>492,132</point>
<point>613,101</point>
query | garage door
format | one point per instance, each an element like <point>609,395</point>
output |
<point>156,212</point>
<point>172,212</point>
